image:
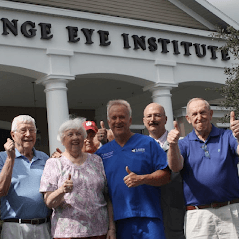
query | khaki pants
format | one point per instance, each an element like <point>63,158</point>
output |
<point>210,223</point>
<point>13,230</point>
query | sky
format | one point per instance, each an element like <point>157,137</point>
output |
<point>229,7</point>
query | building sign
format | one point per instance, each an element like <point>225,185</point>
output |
<point>28,29</point>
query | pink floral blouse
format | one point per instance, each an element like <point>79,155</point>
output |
<point>84,212</point>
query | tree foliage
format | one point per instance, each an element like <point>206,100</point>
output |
<point>230,91</point>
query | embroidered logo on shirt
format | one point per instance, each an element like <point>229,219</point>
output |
<point>139,150</point>
<point>107,155</point>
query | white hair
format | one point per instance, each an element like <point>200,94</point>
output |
<point>71,124</point>
<point>22,119</point>
<point>119,102</point>
<point>197,99</point>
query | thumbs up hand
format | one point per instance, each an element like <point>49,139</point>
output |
<point>9,146</point>
<point>57,153</point>
<point>132,179</point>
<point>174,134</point>
<point>67,185</point>
<point>102,133</point>
<point>234,125</point>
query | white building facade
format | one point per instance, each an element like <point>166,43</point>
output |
<point>54,59</point>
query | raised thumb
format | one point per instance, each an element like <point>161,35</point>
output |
<point>175,125</point>
<point>127,170</point>
<point>102,124</point>
<point>69,176</point>
<point>58,150</point>
<point>232,117</point>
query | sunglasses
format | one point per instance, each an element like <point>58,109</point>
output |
<point>204,147</point>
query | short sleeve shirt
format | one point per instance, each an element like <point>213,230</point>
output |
<point>24,201</point>
<point>210,171</point>
<point>142,155</point>
<point>84,211</point>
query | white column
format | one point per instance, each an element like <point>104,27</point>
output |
<point>57,106</point>
<point>161,95</point>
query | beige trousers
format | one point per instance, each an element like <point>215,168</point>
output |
<point>210,223</point>
<point>13,230</point>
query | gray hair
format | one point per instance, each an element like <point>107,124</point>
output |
<point>196,99</point>
<point>22,119</point>
<point>119,102</point>
<point>71,124</point>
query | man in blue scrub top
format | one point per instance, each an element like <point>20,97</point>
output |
<point>23,210</point>
<point>207,158</point>
<point>135,167</point>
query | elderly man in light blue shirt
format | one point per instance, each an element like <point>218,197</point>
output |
<point>23,210</point>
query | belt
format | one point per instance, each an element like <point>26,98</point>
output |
<point>35,221</point>
<point>213,205</point>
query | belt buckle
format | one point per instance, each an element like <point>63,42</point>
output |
<point>35,221</point>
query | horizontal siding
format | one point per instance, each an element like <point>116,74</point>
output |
<point>160,11</point>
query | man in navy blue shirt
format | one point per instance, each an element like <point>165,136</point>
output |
<point>23,210</point>
<point>207,158</point>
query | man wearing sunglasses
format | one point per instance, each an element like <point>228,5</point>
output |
<point>208,164</point>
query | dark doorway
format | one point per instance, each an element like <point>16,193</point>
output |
<point>4,134</point>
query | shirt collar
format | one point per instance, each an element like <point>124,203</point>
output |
<point>162,139</point>
<point>214,132</point>
<point>36,154</point>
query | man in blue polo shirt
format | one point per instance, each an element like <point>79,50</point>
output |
<point>135,167</point>
<point>23,210</point>
<point>208,165</point>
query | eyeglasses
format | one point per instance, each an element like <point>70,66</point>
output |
<point>204,147</point>
<point>24,130</point>
<point>156,116</point>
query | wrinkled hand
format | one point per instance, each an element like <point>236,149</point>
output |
<point>174,134</point>
<point>67,185</point>
<point>57,153</point>
<point>234,125</point>
<point>132,179</point>
<point>102,133</point>
<point>9,146</point>
<point>111,234</point>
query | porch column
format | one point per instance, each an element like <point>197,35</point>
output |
<point>57,106</point>
<point>164,82</point>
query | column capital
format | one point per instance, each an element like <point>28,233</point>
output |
<point>160,86</point>
<point>54,78</point>
<point>55,82</point>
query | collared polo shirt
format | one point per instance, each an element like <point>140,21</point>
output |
<point>142,155</point>
<point>24,201</point>
<point>162,139</point>
<point>210,171</point>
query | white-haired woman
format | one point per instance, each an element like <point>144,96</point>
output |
<point>75,187</point>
